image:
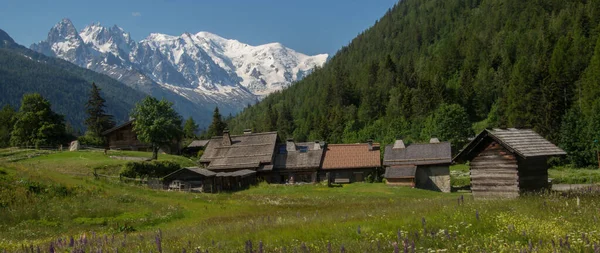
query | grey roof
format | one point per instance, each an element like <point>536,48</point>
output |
<point>117,127</point>
<point>311,158</point>
<point>418,154</point>
<point>245,151</point>
<point>523,142</point>
<point>198,143</point>
<point>240,173</point>
<point>203,172</point>
<point>401,171</point>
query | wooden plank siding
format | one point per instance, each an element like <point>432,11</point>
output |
<point>494,173</point>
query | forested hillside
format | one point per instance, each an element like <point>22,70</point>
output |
<point>64,84</point>
<point>507,63</point>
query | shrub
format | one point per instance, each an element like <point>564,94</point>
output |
<point>153,169</point>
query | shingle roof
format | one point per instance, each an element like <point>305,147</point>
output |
<point>418,154</point>
<point>401,171</point>
<point>245,151</point>
<point>203,172</point>
<point>117,127</point>
<point>198,143</point>
<point>306,156</point>
<point>342,156</point>
<point>240,173</point>
<point>524,142</point>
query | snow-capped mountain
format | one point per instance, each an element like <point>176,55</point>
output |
<point>202,68</point>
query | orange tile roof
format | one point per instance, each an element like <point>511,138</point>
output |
<point>346,156</point>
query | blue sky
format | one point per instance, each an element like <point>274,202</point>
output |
<point>309,26</point>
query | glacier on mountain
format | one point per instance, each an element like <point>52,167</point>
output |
<point>203,68</point>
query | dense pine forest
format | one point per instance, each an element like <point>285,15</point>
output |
<point>450,69</point>
<point>64,84</point>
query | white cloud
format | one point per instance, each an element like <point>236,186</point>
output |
<point>136,14</point>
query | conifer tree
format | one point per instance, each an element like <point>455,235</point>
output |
<point>217,126</point>
<point>190,128</point>
<point>98,121</point>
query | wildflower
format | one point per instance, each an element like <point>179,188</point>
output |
<point>329,247</point>
<point>71,241</point>
<point>396,250</point>
<point>304,248</point>
<point>423,221</point>
<point>183,250</point>
<point>358,229</point>
<point>51,249</point>
<point>158,243</point>
<point>260,247</point>
<point>477,214</point>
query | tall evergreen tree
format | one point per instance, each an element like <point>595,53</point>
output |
<point>190,128</point>
<point>217,126</point>
<point>97,121</point>
<point>37,124</point>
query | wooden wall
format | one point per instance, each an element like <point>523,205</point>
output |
<point>409,181</point>
<point>126,139</point>
<point>533,174</point>
<point>494,173</point>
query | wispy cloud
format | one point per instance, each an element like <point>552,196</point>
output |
<point>136,14</point>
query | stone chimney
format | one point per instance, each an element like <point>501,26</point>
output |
<point>290,145</point>
<point>317,145</point>
<point>247,131</point>
<point>434,140</point>
<point>399,144</point>
<point>370,142</point>
<point>226,138</point>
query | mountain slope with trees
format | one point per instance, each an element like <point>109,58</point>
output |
<point>64,84</point>
<point>427,64</point>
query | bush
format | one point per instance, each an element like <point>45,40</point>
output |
<point>91,140</point>
<point>153,169</point>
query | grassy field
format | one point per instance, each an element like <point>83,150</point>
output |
<point>50,200</point>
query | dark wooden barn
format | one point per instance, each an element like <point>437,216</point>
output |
<point>191,179</point>
<point>421,165</point>
<point>122,137</point>
<point>508,162</point>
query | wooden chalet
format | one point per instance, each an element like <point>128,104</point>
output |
<point>296,162</point>
<point>347,163</point>
<point>507,162</point>
<point>424,166</point>
<point>122,137</point>
<point>250,151</point>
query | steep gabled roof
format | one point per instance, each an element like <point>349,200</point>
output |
<point>245,151</point>
<point>117,127</point>
<point>306,156</point>
<point>522,142</point>
<point>347,156</point>
<point>418,154</point>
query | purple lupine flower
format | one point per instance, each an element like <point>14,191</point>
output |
<point>413,248</point>
<point>423,221</point>
<point>358,229</point>
<point>342,249</point>
<point>396,249</point>
<point>51,249</point>
<point>416,235</point>
<point>183,250</point>
<point>71,241</point>
<point>477,215</point>
<point>329,247</point>
<point>399,235</point>
<point>157,239</point>
<point>197,250</point>
<point>304,248</point>
<point>260,247</point>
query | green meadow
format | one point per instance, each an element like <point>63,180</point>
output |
<point>51,200</point>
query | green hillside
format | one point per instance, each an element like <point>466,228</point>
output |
<point>506,63</point>
<point>64,84</point>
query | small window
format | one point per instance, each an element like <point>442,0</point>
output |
<point>303,149</point>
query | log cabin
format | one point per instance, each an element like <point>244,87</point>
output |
<point>508,162</point>
<point>122,137</point>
